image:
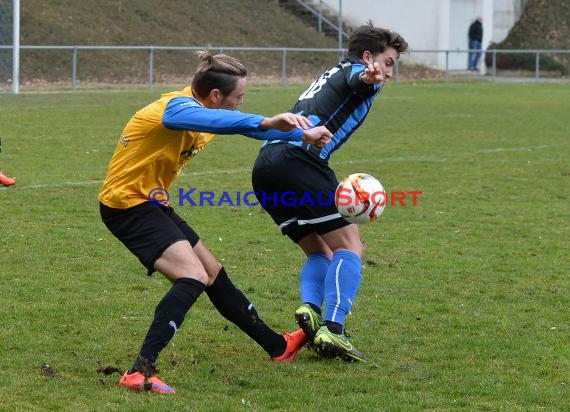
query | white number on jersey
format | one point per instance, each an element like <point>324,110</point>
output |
<point>317,85</point>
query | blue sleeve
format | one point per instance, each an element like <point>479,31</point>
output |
<point>185,113</point>
<point>294,135</point>
<point>353,79</point>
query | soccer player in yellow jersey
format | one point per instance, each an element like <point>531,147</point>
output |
<point>155,145</point>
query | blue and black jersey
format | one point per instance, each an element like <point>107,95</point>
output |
<point>338,100</point>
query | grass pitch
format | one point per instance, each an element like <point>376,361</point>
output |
<point>464,300</point>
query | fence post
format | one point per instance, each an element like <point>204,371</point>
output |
<point>537,66</point>
<point>283,67</point>
<point>494,65</point>
<point>446,66</point>
<point>150,65</point>
<point>74,69</point>
<point>320,20</point>
<point>341,53</point>
<point>16,46</point>
<point>398,71</point>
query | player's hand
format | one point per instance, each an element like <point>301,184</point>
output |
<point>319,136</point>
<point>285,122</point>
<point>372,74</point>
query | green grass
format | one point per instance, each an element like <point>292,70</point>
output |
<point>464,300</point>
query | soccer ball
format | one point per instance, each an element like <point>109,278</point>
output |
<point>360,198</point>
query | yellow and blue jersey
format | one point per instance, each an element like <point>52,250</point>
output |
<point>160,140</point>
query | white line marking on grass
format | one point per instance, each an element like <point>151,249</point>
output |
<point>443,158</point>
<point>100,182</point>
<point>513,149</point>
<point>58,185</point>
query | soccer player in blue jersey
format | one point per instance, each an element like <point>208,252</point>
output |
<point>155,145</point>
<point>339,99</point>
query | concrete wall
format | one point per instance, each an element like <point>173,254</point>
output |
<point>505,15</point>
<point>434,24</point>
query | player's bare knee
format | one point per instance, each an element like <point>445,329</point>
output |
<point>212,272</point>
<point>200,277</point>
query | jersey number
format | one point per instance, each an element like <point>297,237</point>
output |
<point>317,85</point>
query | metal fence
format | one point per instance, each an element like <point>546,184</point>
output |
<point>148,66</point>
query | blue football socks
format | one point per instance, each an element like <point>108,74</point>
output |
<point>341,285</point>
<point>312,279</point>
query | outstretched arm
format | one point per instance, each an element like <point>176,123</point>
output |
<point>285,122</point>
<point>288,121</point>
<point>183,113</point>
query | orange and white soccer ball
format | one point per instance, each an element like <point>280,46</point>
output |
<point>360,198</point>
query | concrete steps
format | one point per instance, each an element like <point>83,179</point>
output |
<point>317,15</point>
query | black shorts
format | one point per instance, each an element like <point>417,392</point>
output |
<point>297,189</point>
<point>147,230</point>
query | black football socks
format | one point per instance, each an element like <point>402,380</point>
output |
<point>168,317</point>
<point>234,306</point>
